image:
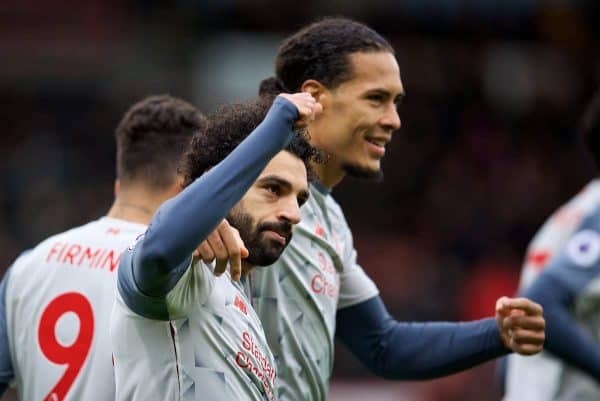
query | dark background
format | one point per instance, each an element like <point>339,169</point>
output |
<point>486,150</point>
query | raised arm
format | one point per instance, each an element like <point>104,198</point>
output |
<point>181,223</point>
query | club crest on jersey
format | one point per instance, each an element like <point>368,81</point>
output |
<point>240,304</point>
<point>137,239</point>
<point>584,248</point>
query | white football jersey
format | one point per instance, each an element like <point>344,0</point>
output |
<point>58,302</point>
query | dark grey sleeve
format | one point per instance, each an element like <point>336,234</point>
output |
<point>415,351</point>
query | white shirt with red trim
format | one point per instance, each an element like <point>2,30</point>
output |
<point>58,302</point>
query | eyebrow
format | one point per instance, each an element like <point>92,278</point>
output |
<point>273,179</point>
<point>399,97</point>
<point>386,93</point>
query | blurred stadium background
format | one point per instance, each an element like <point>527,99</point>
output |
<point>486,151</point>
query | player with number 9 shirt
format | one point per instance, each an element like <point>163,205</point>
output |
<point>55,300</point>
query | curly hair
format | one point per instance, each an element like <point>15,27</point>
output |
<point>320,51</point>
<point>227,128</point>
<point>152,137</point>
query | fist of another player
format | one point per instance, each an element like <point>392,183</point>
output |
<point>521,325</point>
<point>308,107</point>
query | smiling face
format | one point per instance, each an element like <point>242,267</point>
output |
<point>268,212</point>
<point>358,118</point>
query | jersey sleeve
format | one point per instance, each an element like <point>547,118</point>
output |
<point>578,264</point>
<point>558,290</point>
<point>355,285</point>
<point>195,284</point>
<point>193,288</point>
<point>415,351</point>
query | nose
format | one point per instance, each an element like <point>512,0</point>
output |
<point>290,210</point>
<point>391,119</point>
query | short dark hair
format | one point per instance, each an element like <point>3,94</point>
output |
<point>151,139</point>
<point>320,51</point>
<point>227,128</point>
<point>589,127</point>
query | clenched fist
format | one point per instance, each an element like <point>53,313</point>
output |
<point>521,325</point>
<point>308,107</point>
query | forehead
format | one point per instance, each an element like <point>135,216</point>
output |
<point>374,70</point>
<point>288,167</point>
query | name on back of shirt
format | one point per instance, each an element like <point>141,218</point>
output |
<point>82,255</point>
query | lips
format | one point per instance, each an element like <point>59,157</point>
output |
<point>274,235</point>
<point>278,235</point>
<point>376,145</point>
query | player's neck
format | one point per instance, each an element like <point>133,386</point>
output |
<point>131,212</point>
<point>137,206</point>
<point>329,173</point>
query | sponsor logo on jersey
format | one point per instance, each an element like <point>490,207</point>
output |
<point>584,248</point>
<point>254,360</point>
<point>325,282</point>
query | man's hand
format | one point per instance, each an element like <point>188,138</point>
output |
<point>308,107</point>
<point>225,245</point>
<point>521,325</point>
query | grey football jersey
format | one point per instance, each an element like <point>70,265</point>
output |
<point>212,347</point>
<point>297,298</point>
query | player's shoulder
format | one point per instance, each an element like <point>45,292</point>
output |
<point>566,219</point>
<point>582,249</point>
<point>580,206</point>
<point>21,260</point>
<point>101,232</point>
<point>104,229</point>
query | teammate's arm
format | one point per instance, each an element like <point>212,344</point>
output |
<point>556,289</point>
<point>415,351</point>
<point>398,350</point>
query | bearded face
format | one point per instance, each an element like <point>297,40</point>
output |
<point>265,241</point>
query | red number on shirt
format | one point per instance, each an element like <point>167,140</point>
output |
<point>73,355</point>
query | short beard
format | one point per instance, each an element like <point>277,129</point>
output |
<point>356,171</point>
<point>260,252</point>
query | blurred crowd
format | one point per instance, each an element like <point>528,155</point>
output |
<point>487,149</point>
